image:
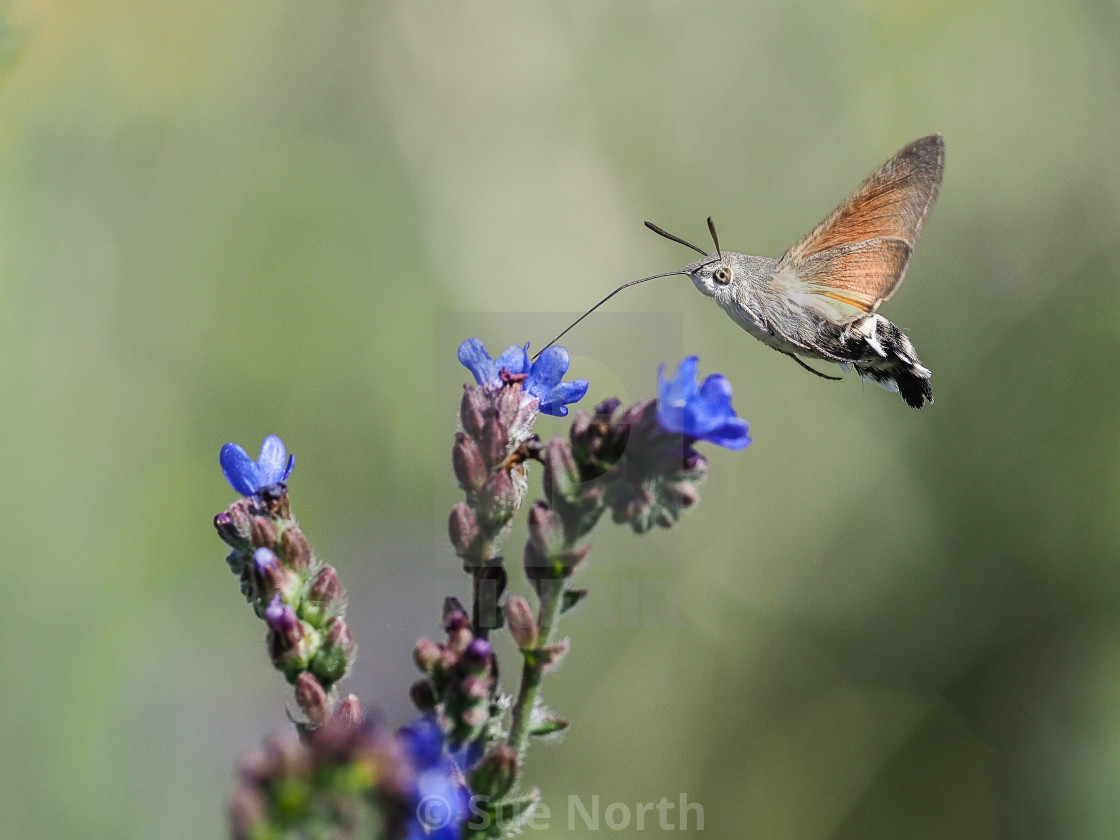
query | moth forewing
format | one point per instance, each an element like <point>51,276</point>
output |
<point>861,275</point>
<point>890,207</point>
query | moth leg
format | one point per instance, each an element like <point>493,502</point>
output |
<point>812,370</point>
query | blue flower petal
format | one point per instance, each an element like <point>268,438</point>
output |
<point>716,392</point>
<point>550,366</point>
<point>513,360</point>
<point>699,412</point>
<point>274,465</point>
<point>424,741</point>
<point>730,435</point>
<point>247,476</point>
<point>684,381</point>
<point>565,392</point>
<point>239,469</point>
<point>473,356</point>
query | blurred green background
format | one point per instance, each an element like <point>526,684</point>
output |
<point>222,220</point>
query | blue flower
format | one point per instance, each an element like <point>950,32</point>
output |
<point>440,798</point>
<point>542,377</point>
<point>247,476</point>
<point>700,412</point>
<point>544,382</point>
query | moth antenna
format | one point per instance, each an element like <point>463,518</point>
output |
<point>676,239</point>
<point>604,300</point>
<point>815,371</point>
<point>715,239</point>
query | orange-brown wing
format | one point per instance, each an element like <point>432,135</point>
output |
<point>856,274</point>
<point>884,216</point>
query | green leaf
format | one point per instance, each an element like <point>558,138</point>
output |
<point>491,821</point>
<point>547,724</point>
<point>571,598</point>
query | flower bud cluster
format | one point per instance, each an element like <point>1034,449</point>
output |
<point>350,778</point>
<point>299,598</point>
<point>488,458</point>
<point>625,462</point>
<point>460,676</point>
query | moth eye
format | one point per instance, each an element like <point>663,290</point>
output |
<point>722,275</point>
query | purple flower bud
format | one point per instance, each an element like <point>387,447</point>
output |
<point>312,699</point>
<point>522,623</point>
<point>683,494</point>
<point>472,410</point>
<point>474,716</point>
<point>427,655</point>
<point>349,711</point>
<point>283,622</point>
<point>695,465</point>
<point>518,410</point>
<point>637,415</point>
<point>580,425</point>
<point>459,632</point>
<point>264,559</point>
<point>494,440</point>
<point>326,592</point>
<point>561,473</point>
<point>338,635</point>
<point>606,408</point>
<point>473,692</point>
<point>453,609</point>
<point>462,527</point>
<point>467,461</point>
<point>536,562</point>
<point>478,655</point>
<point>497,500</point>
<point>263,531</point>
<point>296,548</point>
<point>333,658</point>
<point>270,578</point>
<point>545,528</point>
<point>233,524</point>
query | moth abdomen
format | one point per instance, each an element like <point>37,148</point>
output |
<point>880,352</point>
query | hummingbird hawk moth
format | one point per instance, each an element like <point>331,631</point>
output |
<point>820,299</point>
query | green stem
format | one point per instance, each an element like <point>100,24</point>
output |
<point>532,674</point>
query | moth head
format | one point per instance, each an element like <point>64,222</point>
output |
<point>710,274</point>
